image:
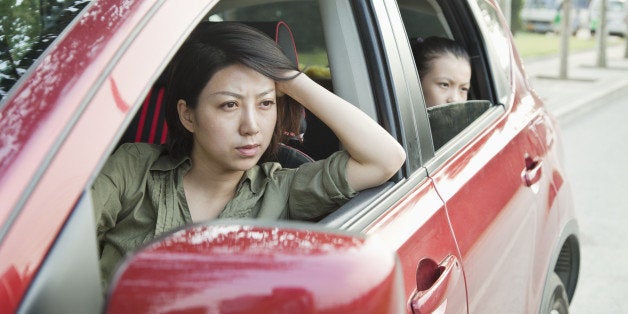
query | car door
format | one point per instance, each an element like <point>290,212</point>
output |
<point>60,121</point>
<point>409,216</point>
<point>491,175</point>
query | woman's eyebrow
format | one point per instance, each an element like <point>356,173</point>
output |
<point>264,93</point>
<point>236,95</point>
<point>226,93</point>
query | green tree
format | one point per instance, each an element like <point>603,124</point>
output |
<point>27,28</point>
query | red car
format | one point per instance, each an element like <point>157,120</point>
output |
<point>479,219</point>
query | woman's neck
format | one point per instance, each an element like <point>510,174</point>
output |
<point>208,191</point>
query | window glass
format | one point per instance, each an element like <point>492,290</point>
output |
<point>304,20</point>
<point>27,28</point>
<point>448,120</point>
<point>541,4</point>
<point>615,6</point>
<point>422,21</point>
<point>425,18</point>
<point>496,39</point>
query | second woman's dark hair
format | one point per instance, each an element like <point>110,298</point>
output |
<point>210,48</point>
<point>426,50</point>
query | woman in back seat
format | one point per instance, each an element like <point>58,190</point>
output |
<point>222,113</point>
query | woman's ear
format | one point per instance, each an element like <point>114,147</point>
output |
<point>186,115</point>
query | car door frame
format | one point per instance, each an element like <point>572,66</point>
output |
<point>54,205</point>
<point>413,199</point>
<point>493,136</point>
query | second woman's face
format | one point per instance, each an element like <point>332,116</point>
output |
<point>448,80</point>
<point>234,120</point>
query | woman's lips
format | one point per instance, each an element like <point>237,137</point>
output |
<point>248,150</point>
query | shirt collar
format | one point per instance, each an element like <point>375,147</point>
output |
<point>167,163</point>
<point>260,175</point>
<point>252,178</point>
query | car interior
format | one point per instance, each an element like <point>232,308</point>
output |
<point>314,48</point>
<point>149,124</point>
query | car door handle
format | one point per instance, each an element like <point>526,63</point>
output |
<point>532,172</point>
<point>434,282</point>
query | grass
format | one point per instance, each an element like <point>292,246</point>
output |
<point>532,45</point>
<point>529,45</point>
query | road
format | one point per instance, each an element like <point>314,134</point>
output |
<point>595,146</point>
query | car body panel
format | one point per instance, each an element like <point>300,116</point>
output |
<point>502,230</point>
<point>76,127</point>
<point>509,217</point>
<point>418,229</point>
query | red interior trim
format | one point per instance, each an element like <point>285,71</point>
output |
<point>155,122</point>
<point>140,123</point>
<point>164,133</point>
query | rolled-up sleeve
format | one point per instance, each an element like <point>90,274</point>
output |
<point>106,193</point>
<point>320,187</point>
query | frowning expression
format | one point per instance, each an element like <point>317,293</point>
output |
<point>234,120</point>
<point>447,81</point>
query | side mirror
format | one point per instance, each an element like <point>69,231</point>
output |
<point>235,267</point>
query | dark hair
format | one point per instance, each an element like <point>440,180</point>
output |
<point>210,48</point>
<point>428,49</point>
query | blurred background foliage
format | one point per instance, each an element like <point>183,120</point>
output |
<point>27,27</point>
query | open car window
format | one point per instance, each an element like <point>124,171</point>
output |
<point>304,20</point>
<point>489,80</point>
<point>447,120</point>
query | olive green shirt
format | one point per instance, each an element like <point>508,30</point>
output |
<point>139,195</point>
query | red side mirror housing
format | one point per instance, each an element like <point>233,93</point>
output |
<point>222,267</point>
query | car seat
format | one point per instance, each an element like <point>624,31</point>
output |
<point>149,124</point>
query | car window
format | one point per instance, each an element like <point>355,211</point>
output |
<point>27,28</point>
<point>423,20</point>
<point>316,40</point>
<point>541,4</point>
<point>498,49</point>
<point>303,18</point>
<point>448,120</point>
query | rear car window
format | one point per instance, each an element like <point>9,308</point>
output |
<point>27,28</point>
<point>425,18</point>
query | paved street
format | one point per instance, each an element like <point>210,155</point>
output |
<point>595,151</point>
<point>596,144</point>
<point>592,108</point>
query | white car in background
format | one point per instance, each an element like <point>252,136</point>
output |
<point>616,15</point>
<point>543,16</point>
<point>538,15</point>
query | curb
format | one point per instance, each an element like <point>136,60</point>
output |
<point>568,112</point>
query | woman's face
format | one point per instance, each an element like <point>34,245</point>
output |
<point>448,80</point>
<point>234,120</point>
